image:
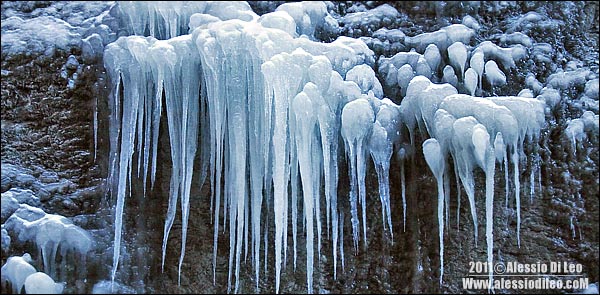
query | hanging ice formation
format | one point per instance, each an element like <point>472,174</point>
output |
<point>475,131</point>
<point>260,88</point>
<point>270,108</point>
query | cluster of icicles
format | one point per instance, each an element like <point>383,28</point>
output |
<point>265,109</point>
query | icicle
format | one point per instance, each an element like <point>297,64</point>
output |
<point>305,121</point>
<point>447,198</point>
<point>435,161</point>
<point>506,181</point>
<point>380,148</point>
<point>572,227</point>
<point>190,104</point>
<point>316,170</point>
<point>466,177</point>
<point>403,184</point>
<point>342,238</point>
<point>357,121</point>
<point>294,185</point>
<point>486,159</point>
<point>95,127</point>
<point>531,184</point>
<point>458,190</point>
<point>515,160</point>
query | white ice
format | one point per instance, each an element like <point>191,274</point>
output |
<point>16,270</point>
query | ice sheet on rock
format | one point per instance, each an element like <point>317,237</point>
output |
<point>9,205</point>
<point>106,287</point>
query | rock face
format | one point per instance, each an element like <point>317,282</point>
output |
<point>53,100</point>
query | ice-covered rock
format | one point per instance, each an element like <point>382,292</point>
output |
<point>36,36</point>
<point>471,80</point>
<point>493,74</point>
<point>477,63</point>
<point>405,75</point>
<point>457,54</point>
<point>41,283</point>
<point>108,287</point>
<point>423,68</point>
<point>505,56</point>
<point>563,80</point>
<point>591,89</point>
<point>471,22</point>
<point>450,76</point>
<point>442,38</point>
<point>16,270</point>
<point>308,15</point>
<point>516,38</point>
<point>433,57</point>
<point>22,196</point>
<point>278,20</point>
<point>5,240</point>
<point>9,205</point>
<point>364,76</point>
<point>48,232</point>
<point>370,20</point>
<point>526,93</point>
